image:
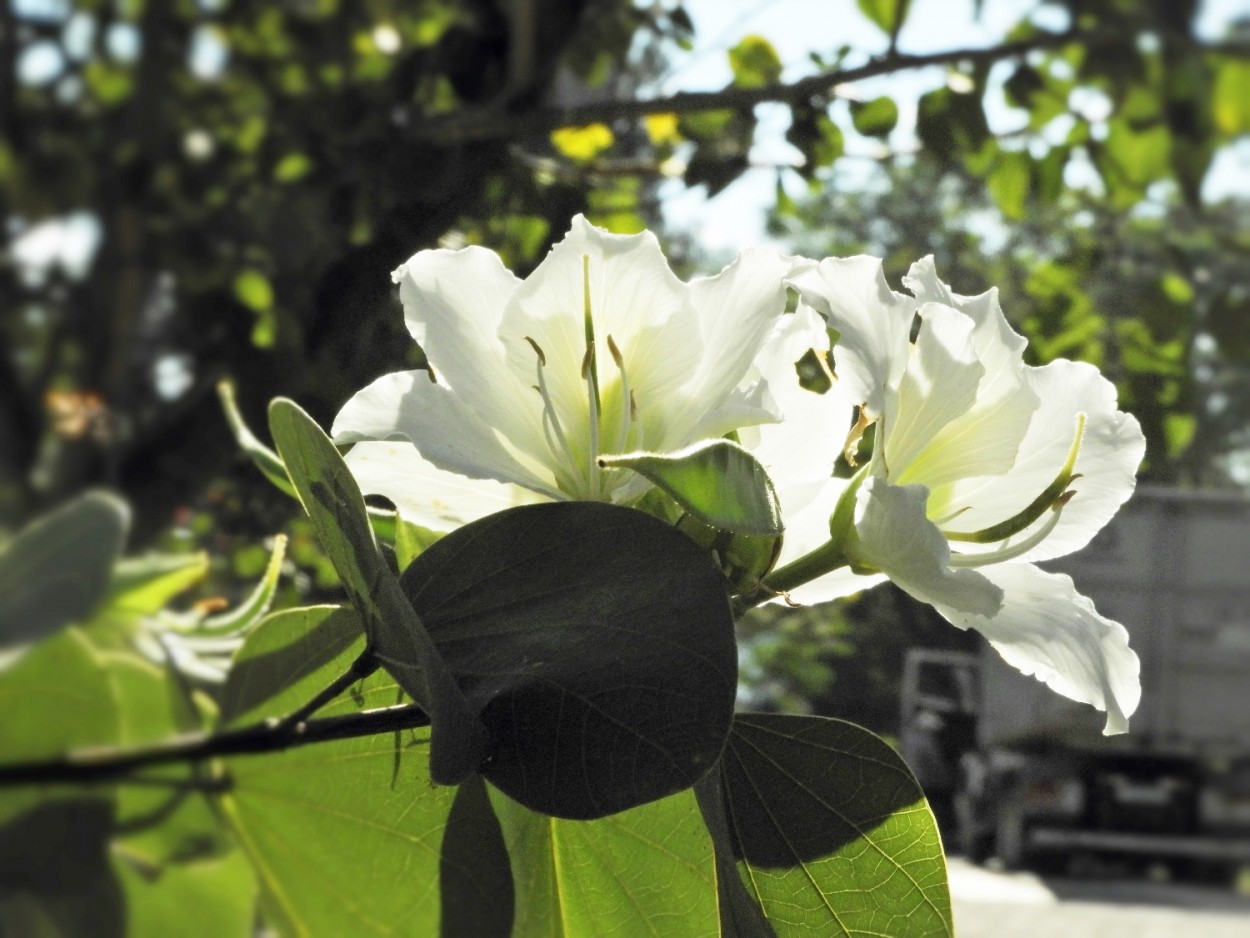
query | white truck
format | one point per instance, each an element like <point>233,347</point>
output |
<point>1030,775</point>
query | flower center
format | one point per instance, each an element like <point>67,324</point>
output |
<point>575,449</point>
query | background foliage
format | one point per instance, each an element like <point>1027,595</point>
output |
<point>201,189</point>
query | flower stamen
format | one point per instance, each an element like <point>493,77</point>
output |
<point>1054,495</point>
<point>553,432</point>
<point>629,407</point>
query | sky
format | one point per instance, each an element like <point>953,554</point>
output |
<point>735,217</point>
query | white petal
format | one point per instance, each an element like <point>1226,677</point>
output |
<point>1049,630</point>
<point>897,539</point>
<point>1111,451</point>
<point>445,428</point>
<point>939,386</point>
<point>737,309</point>
<point>634,298</point>
<point>423,493</point>
<point>802,449</point>
<point>453,304</point>
<point>984,441</point>
<point>1000,349</point>
<point>874,322</point>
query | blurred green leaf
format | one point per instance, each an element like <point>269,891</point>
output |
<point>55,879</point>
<point>57,569</point>
<point>1231,101</point>
<point>58,697</point>
<point>875,118</point>
<point>253,290</point>
<point>754,62</point>
<point>830,830</point>
<point>145,585</point>
<point>334,504</point>
<point>582,143</point>
<point>1009,183</point>
<point>597,644</point>
<point>649,870</point>
<point>171,851</point>
<point>951,124</point>
<point>292,168</point>
<point>887,14</point>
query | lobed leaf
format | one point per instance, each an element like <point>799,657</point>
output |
<point>830,831</point>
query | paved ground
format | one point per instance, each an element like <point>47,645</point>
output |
<point>1022,905</point>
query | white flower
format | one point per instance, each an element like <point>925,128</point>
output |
<point>601,350</point>
<point>981,466</point>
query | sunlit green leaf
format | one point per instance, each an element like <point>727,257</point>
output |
<point>57,569</point>
<point>58,697</point>
<point>265,459</point>
<point>344,836</point>
<point>284,650</point>
<point>170,850</point>
<point>647,871</point>
<point>334,504</point>
<point>597,644</point>
<point>830,830</point>
<point>716,480</point>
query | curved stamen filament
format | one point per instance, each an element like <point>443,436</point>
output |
<point>1015,550</point>
<point>590,374</point>
<point>629,408</point>
<point>551,421</point>
<point>1049,498</point>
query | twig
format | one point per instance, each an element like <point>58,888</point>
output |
<point>492,124</point>
<point>94,766</point>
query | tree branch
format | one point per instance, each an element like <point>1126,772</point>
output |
<point>95,766</point>
<point>489,125</point>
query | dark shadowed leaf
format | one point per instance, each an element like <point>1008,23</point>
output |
<point>334,504</point>
<point>597,644</point>
<point>830,830</point>
<point>475,877</point>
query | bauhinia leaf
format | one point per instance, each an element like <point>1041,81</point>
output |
<point>831,832</point>
<point>716,480</point>
<point>647,871</point>
<point>57,569</point>
<point>334,504</point>
<point>596,642</point>
<point>345,836</point>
